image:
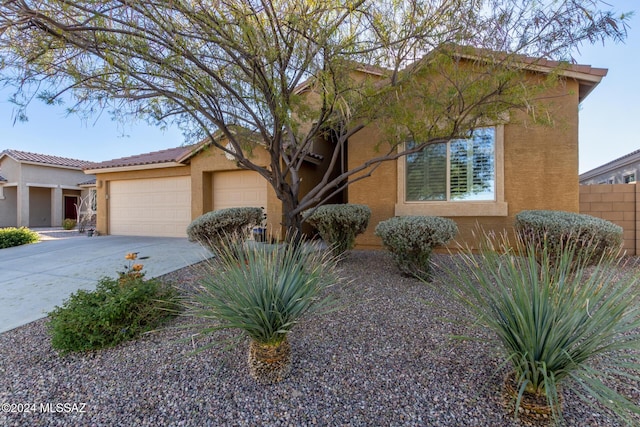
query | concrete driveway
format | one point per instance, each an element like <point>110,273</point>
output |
<point>35,278</point>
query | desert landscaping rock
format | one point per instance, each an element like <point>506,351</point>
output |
<point>384,357</point>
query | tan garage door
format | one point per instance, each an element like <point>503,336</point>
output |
<point>235,189</point>
<point>150,207</point>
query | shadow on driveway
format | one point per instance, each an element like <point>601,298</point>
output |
<point>35,278</point>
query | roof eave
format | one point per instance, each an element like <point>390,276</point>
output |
<point>48,165</point>
<point>128,168</point>
<point>620,162</point>
<point>587,80</point>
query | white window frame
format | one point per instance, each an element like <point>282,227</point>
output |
<point>628,174</point>
<point>497,207</point>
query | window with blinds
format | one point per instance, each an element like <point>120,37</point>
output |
<point>459,170</point>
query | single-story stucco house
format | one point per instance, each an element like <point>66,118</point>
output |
<point>525,165</point>
<point>39,190</point>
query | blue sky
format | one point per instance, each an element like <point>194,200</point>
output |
<point>607,118</point>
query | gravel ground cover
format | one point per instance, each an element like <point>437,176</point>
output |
<point>385,357</point>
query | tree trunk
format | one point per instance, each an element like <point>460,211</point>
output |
<point>269,364</point>
<point>291,221</point>
<point>534,408</point>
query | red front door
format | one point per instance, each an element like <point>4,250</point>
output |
<point>70,207</point>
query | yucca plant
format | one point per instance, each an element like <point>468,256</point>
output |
<point>263,290</point>
<point>558,325</point>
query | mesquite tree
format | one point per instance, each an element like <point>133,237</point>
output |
<point>283,73</point>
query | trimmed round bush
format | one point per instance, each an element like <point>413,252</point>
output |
<point>593,237</point>
<point>216,227</point>
<point>12,236</point>
<point>338,225</point>
<point>411,239</point>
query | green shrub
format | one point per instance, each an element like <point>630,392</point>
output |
<point>118,310</point>
<point>556,322</point>
<point>68,223</point>
<point>593,237</point>
<point>338,225</point>
<point>411,239</point>
<point>216,228</point>
<point>12,236</point>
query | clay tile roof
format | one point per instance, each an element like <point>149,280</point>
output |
<point>156,157</point>
<point>45,159</point>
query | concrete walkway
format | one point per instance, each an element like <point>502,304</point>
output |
<point>35,278</point>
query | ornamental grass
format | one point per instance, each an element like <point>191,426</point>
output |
<point>263,290</point>
<point>559,324</point>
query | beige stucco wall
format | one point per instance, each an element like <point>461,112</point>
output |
<point>540,170</point>
<point>8,201</point>
<point>37,174</point>
<point>10,169</point>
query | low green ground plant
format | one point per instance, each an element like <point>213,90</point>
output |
<point>592,237</point>
<point>411,239</point>
<point>12,236</point>
<point>558,323</point>
<point>338,225</point>
<point>218,228</point>
<point>263,291</point>
<point>116,311</point>
<point>68,223</point>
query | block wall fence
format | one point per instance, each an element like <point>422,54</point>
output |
<point>618,203</point>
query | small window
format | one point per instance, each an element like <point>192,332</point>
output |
<point>629,178</point>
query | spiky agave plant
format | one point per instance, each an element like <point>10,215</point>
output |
<point>264,290</point>
<point>555,319</point>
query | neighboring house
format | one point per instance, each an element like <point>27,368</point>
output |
<point>623,170</point>
<point>38,190</point>
<point>486,180</point>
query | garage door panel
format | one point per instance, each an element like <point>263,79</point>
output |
<point>150,207</point>
<point>239,189</point>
